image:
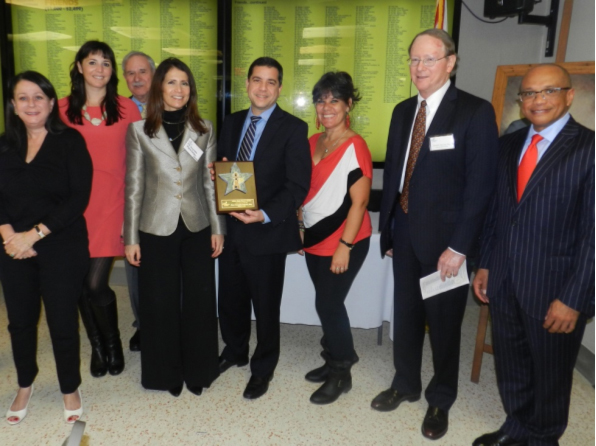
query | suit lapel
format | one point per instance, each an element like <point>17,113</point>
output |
<point>439,125</point>
<point>401,141</point>
<point>163,144</point>
<point>189,133</point>
<point>237,134</point>
<point>512,163</point>
<point>271,127</point>
<point>558,149</point>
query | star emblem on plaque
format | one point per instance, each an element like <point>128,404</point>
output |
<point>235,188</point>
<point>235,179</point>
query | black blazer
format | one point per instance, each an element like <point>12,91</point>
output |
<point>450,189</point>
<point>282,165</point>
<point>546,241</point>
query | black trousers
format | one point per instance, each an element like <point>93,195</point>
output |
<point>244,279</point>
<point>55,276</point>
<point>443,313</point>
<point>180,342</point>
<point>331,292</point>
<point>534,371</point>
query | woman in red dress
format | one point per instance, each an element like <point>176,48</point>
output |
<point>96,110</point>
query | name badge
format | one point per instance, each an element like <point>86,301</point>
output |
<point>193,150</point>
<point>443,142</point>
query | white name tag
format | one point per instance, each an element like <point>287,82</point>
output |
<point>443,142</point>
<point>193,150</point>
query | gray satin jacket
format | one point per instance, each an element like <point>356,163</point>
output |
<point>161,184</point>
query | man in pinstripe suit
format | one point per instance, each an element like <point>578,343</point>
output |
<point>538,245</point>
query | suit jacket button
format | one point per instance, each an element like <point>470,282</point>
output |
<point>179,197</point>
<point>178,183</point>
<point>178,168</point>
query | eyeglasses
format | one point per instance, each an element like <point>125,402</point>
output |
<point>428,62</point>
<point>546,93</point>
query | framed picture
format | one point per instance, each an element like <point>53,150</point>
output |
<point>508,80</point>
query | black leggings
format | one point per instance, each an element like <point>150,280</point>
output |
<point>331,292</point>
<point>97,288</point>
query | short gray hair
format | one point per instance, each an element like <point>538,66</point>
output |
<point>445,38</point>
<point>138,53</point>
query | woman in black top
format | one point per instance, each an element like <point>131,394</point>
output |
<point>45,182</point>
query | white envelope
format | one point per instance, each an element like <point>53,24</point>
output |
<point>432,285</point>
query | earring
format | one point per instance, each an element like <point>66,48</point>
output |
<point>348,120</point>
<point>317,123</point>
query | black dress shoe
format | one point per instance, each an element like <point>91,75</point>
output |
<point>197,390</point>
<point>135,342</point>
<point>175,391</point>
<point>498,438</point>
<point>224,364</point>
<point>435,423</point>
<point>390,399</point>
<point>257,387</point>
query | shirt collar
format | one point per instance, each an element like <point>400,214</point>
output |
<point>434,100</point>
<point>264,116</point>
<point>140,104</point>
<point>551,132</point>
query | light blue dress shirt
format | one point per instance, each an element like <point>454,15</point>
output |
<point>261,123</point>
<point>549,134</point>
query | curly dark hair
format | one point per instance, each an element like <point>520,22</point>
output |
<point>337,83</point>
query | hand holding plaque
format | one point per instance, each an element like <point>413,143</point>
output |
<point>235,187</point>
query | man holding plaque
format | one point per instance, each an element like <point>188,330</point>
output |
<point>440,172</point>
<point>252,266</point>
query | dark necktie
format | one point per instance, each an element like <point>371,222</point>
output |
<point>527,165</point>
<point>417,140</point>
<point>249,139</point>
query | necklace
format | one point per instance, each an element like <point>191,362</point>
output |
<point>94,121</point>
<point>173,123</point>
<point>176,137</point>
<point>328,148</point>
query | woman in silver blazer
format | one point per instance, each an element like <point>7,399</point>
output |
<point>172,233</point>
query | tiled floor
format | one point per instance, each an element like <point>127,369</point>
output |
<point>118,411</point>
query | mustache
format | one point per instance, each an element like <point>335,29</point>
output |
<point>138,84</point>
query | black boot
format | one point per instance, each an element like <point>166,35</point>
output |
<point>99,366</point>
<point>320,374</point>
<point>107,318</point>
<point>339,380</point>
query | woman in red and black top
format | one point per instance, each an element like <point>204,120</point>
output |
<point>337,227</point>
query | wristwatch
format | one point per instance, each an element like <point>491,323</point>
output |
<point>349,245</point>
<point>39,231</point>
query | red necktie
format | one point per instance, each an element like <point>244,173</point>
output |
<point>415,145</point>
<point>527,165</point>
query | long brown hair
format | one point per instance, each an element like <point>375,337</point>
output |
<point>155,106</point>
<point>78,94</point>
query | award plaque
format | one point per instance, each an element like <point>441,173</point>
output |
<point>235,187</point>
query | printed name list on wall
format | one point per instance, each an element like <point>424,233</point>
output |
<point>47,34</point>
<point>367,38</point>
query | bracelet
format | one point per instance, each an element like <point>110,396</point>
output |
<point>39,231</point>
<point>349,245</point>
<point>301,225</point>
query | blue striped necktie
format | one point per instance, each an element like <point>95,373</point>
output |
<point>249,139</point>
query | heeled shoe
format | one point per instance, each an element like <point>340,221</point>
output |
<point>15,417</point>
<point>175,391</point>
<point>70,416</point>
<point>197,390</point>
